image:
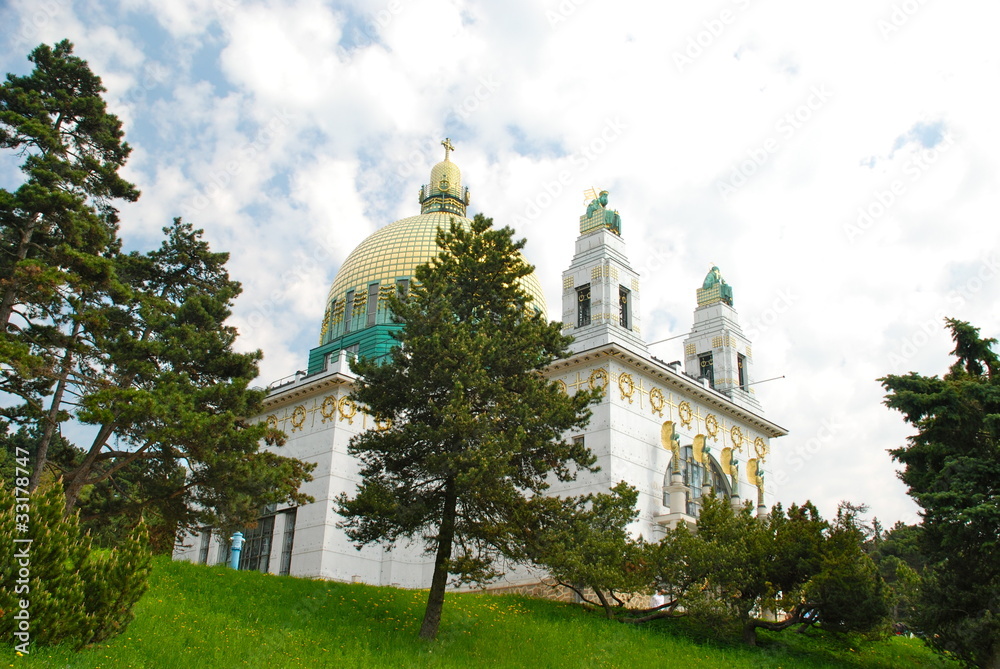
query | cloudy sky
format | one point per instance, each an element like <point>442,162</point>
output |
<point>838,161</point>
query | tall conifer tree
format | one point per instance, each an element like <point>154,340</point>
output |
<point>134,344</point>
<point>952,468</point>
<point>58,229</point>
<point>475,430</point>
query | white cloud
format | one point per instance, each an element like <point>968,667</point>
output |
<point>284,55</point>
<point>331,134</point>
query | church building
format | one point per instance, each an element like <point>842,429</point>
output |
<point>671,430</point>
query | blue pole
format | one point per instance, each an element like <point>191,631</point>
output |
<point>237,540</point>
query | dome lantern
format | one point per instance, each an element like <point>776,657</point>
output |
<point>444,192</point>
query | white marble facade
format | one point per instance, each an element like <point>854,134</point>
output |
<point>641,393</point>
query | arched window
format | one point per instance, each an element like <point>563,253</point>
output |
<point>694,476</point>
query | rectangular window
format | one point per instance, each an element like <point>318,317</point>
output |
<point>705,368</point>
<point>224,546</point>
<point>372,305</point>
<point>578,441</point>
<point>741,364</point>
<point>286,543</point>
<point>256,553</point>
<point>583,306</point>
<point>402,288</point>
<point>348,311</point>
<point>623,306</point>
<point>206,540</point>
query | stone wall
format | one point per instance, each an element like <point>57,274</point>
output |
<point>551,590</point>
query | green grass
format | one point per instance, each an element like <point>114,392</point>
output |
<point>214,617</point>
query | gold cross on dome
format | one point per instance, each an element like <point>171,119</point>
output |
<point>448,147</point>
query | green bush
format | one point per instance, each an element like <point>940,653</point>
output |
<point>55,589</point>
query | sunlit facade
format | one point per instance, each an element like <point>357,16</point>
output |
<point>674,430</point>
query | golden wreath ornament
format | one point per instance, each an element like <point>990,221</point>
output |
<point>329,408</point>
<point>627,386</point>
<point>272,422</point>
<point>737,435</point>
<point>347,409</point>
<point>684,413</point>
<point>712,426</point>
<point>562,386</point>
<point>601,374</point>
<point>656,401</point>
<point>382,425</point>
<point>298,417</point>
<point>760,447</point>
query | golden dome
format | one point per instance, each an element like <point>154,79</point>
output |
<point>393,252</point>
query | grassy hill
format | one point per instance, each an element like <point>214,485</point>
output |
<point>195,616</point>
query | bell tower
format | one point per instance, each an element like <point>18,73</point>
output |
<point>600,288</point>
<point>716,349</point>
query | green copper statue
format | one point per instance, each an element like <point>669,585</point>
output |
<point>612,221</point>
<point>714,278</point>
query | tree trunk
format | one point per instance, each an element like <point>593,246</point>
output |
<point>608,612</point>
<point>10,294</point>
<point>750,633</point>
<point>42,452</point>
<point>78,479</point>
<point>446,536</point>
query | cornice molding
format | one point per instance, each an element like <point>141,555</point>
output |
<point>279,397</point>
<point>670,378</point>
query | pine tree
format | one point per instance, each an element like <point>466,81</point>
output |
<point>789,569</point>
<point>73,595</point>
<point>60,222</point>
<point>169,396</point>
<point>113,582</point>
<point>850,593</point>
<point>952,468</point>
<point>55,554</point>
<point>134,344</point>
<point>59,228</point>
<point>475,430</point>
<point>584,544</point>
<point>59,231</point>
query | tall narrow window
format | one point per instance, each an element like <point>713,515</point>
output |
<point>372,305</point>
<point>224,547</point>
<point>402,288</point>
<point>206,541</point>
<point>286,543</point>
<point>583,306</point>
<point>706,369</point>
<point>348,311</point>
<point>331,324</point>
<point>623,306</point>
<point>256,554</point>
<point>741,365</point>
